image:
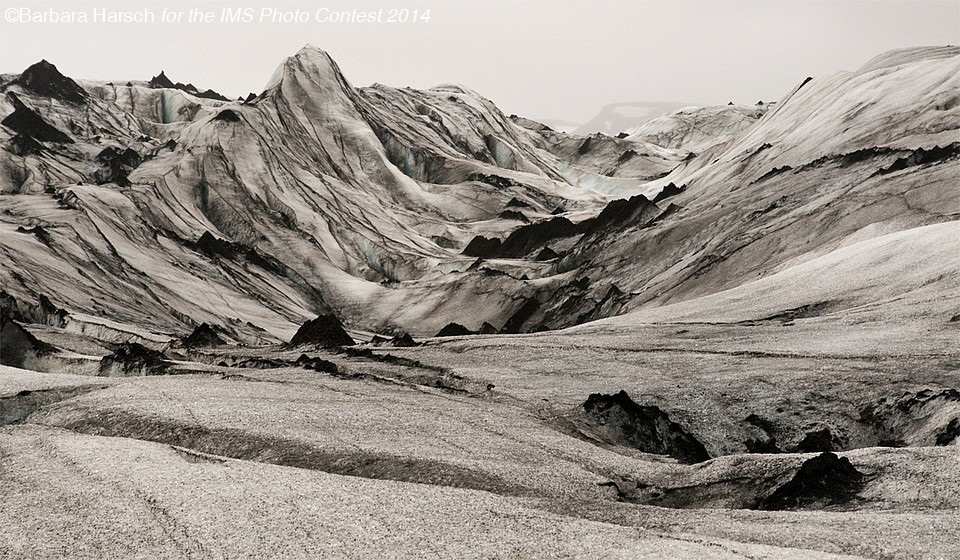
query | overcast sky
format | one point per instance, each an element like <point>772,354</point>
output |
<point>559,60</point>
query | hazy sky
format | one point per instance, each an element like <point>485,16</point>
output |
<point>560,60</point>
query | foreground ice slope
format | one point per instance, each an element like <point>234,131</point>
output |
<point>316,196</point>
<point>226,460</point>
<point>153,500</point>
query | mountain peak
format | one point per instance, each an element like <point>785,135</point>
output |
<point>310,50</point>
<point>161,81</point>
<point>43,78</point>
<point>310,64</point>
<point>310,55</point>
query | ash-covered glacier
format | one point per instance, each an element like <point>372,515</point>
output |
<point>337,321</point>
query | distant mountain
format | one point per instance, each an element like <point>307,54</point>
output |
<point>620,117</point>
<point>697,128</point>
<point>561,125</point>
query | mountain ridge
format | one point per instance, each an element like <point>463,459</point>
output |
<point>364,198</point>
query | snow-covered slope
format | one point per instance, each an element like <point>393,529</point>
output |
<point>840,159</point>
<point>332,197</point>
<point>697,128</point>
<point>141,206</point>
<point>907,275</point>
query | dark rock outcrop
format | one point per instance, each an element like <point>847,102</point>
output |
<point>482,247</point>
<point>42,234</point>
<point>528,238</point>
<point>773,173</point>
<point>617,419</point>
<point>204,336</point>
<point>317,364</point>
<point>626,156</point>
<point>585,146</point>
<point>132,359</point>
<point>575,303</point>
<point>921,156</point>
<point>19,348</point>
<point>116,165</point>
<point>517,203</point>
<point>27,122</point>
<point>514,215</point>
<point>127,157</point>
<point>44,79</point>
<point>161,81</point>
<point>22,145</point>
<point>325,330</point>
<point>210,94</point>
<point>668,191</point>
<point>815,309</point>
<point>637,210</point>
<point>547,254</point>
<point>848,159</point>
<point>817,441</point>
<point>487,328</point>
<point>258,363</point>
<point>403,340</point>
<point>824,480</point>
<point>454,329</point>
<point>493,180</point>
<point>515,323</point>
<point>949,434</point>
<point>227,116</point>
<point>214,247</point>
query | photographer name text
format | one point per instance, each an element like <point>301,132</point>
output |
<point>271,15</point>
